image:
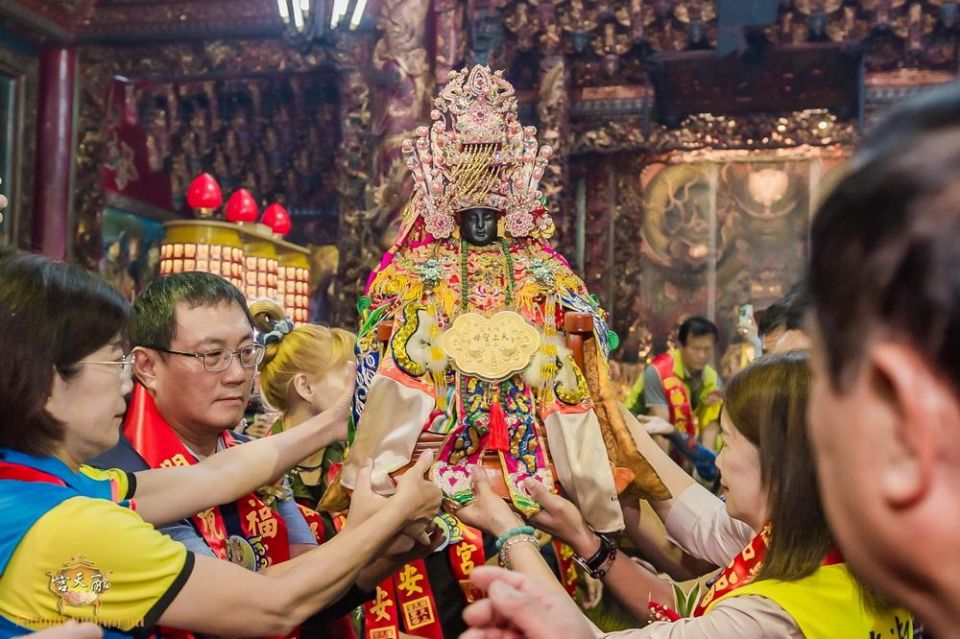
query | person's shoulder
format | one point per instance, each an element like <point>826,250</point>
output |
<point>651,375</point>
<point>122,456</point>
<point>78,512</point>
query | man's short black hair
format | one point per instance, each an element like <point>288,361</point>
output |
<point>885,254</point>
<point>155,310</point>
<point>789,312</point>
<point>772,317</point>
<point>697,326</point>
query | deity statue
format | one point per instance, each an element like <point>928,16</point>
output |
<point>470,325</point>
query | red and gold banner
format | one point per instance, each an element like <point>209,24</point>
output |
<point>568,569</point>
<point>415,601</point>
<point>464,557</point>
<point>678,398</point>
<point>381,619</point>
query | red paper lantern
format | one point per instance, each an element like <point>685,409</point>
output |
<point>204,195</point>
<point>241,207</point>
<point>277,218</point>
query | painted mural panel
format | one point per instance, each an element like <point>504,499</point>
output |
<point>716,234</point>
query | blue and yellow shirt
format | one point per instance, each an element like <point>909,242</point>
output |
<point>74,548</point>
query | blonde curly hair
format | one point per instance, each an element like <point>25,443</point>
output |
<point>308,348</point>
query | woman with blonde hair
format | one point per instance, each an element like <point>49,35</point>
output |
<point>305,367</point>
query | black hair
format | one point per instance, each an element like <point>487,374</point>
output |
<point>52,315</point>
<point>155,310</point>
<point>884,246</point>
<point>697,326</point>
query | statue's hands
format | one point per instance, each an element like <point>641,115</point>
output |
<point>487,511</point>
<point>561,518</point>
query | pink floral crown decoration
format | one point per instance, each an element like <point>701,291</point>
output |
<point>477,154</point>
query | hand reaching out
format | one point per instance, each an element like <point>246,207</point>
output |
<point>338,413</point>
<point>561,518</point>
<point>655,425</point>
<point>419,495</point>
<point>518,607</point>
<point>487,511</point>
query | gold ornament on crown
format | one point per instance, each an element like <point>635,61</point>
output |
<point>476,154</point>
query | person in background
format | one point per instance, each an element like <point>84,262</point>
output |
<point>305,368</point>
<point>681,387</point>
<point>782,325</point>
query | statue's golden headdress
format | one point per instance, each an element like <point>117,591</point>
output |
<point>476,154</point>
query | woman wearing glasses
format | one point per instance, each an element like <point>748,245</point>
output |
<point>76,544</point>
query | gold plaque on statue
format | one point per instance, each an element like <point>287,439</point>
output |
<point>491,348</point>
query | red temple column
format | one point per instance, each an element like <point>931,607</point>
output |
<point>52,193</point>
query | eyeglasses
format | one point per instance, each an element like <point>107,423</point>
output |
<point>125,363</point>
<point>219,360</point>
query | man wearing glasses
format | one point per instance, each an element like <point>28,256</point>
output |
<point>194,359</point>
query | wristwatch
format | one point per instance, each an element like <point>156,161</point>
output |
<point>598,565</point>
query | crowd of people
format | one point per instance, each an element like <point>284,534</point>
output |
<point>816,493</point>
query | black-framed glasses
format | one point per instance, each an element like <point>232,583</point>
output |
<point>219,360</point>
<point>125,363</point>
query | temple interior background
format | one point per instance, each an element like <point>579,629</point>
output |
<point>694,138</point>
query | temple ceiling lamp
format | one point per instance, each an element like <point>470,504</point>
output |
<point>309,21</point>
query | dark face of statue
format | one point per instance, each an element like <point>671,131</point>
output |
<point>479,226</point>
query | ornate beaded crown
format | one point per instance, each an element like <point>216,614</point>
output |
<point>477,154</point>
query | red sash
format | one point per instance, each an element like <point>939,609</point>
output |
<point>464,557</point>
<point>742,570</point>
<point>678,397</point>
<point>381,619</point>
<point>568,569</point>
<point>262,539</point>
<point>18,472</point>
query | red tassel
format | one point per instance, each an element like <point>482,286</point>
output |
<point>497,436</point>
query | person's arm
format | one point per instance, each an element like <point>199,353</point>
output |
<point>659,411</point>
<point>223,599</point>
<point>709,434</point>
<point>645,541</point>
<point>69,630</point>
<point>654,397</point>
<point>491,514</point>
<point>518,606</point>
<point>632,584</point>
<point>170,494</point>
<point>673,476</point>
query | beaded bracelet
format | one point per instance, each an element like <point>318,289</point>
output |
<point>522,538</point>
<point>513,532</point>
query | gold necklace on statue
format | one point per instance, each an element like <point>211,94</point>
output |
<point>488,261</point>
